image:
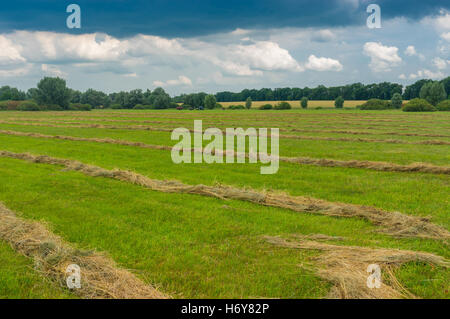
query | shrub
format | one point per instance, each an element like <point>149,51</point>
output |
<point>444,106</point>
<point>80,107</point>
<point>376,104</point>
<point>52,107</point>
<point>283,106</point>
<point>418,105</point>
<point>142,107</point>
<point>304,102</point>
<point>210,101</point>
<point>186,106</point>
<point>248,103</point>
<point>219,106</point>
<point>28,106</point>
<point>339,102</point>
<point>117,106</point>
<point>266,107</point>
<point>10,105</point>
<point>397,101</point>
<point>236,107</point>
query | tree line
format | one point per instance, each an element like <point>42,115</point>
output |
<point>53,91</point>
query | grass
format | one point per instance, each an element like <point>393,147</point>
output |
<point>194,246</point>
<point>18,279</point>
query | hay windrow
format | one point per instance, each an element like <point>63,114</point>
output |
<point>392,223</point>
<point>378,166</point>
<point>284,136</point>
<point>346,267</point>
<point>100,277</point>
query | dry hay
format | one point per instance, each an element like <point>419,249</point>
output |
<point>370,133</point>
<point>346,267</point>
<point>100,277</point>
<point>392,223</point>
<point>379,166</point>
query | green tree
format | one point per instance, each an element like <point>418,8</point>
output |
<point>396,101</point>
<point>339,102</point>
<point>433,92</point>
<point>210,101</point>
<point>53,91</point>
<point>304,102</point>
<point>248,103</point>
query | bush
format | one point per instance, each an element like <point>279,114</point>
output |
<point>219,106</point>
<point>266,107</point>
<point>376,104</point>
<point>210,101</point>
<point>304,102</point>
<point>9,105</point>
<point>28,106</point>
<point>248,103</point>
<point>283,106</point>
<point>236,107</point>
<point>52,107</point>
<point>339,102</point>
<point>418,105</point>
<point>117,106</point>
<point>444,106</point>
<point>80,107</point>
<point>142,107</point>
<point>186,106</point>
<point>397,101</point>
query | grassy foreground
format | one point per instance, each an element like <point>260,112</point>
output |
<point>194,246</point>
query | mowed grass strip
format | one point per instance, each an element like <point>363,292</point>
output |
<point>379,166</point>
<point>193,246</point>
<point>350,149</point>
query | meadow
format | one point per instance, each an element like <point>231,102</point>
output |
<point>349,190</point>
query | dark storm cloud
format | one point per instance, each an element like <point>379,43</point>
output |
<point>184,18</point>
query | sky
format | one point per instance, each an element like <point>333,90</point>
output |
<point>199,45</point>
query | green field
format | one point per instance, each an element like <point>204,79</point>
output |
<point>195,246</point>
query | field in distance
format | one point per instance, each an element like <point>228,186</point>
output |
<point>296,104</point>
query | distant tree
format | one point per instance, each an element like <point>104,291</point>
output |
<point>413,91</point>
<point>53,91</point>
<point>397,101</point>
<point>304,102</point>
<point>95,98</point>
<point>248,103</point>
<point>31,94</point>
<point>210,101</point>
<point>339,102</point>
<point>9,93</point>
<point>433,92</point>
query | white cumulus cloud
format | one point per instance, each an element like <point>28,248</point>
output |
<point>382,58</point>
<point>323,64</point>
<point>181,80</point>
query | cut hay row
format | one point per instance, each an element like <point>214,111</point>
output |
<point>297,137</point>
<point>378,166</point>
<point>392,223</point>
<point>100,276</point>
<point>346,267</point>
